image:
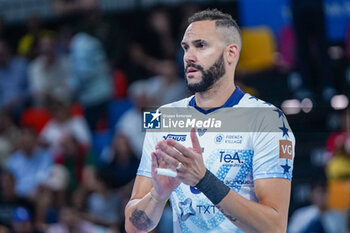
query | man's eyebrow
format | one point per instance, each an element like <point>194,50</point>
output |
<point>193,42</point>
<point>198,41</point>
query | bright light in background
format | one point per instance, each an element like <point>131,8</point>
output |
<point>339,102</point>
<point>291,107</point>
<point>306,105</point>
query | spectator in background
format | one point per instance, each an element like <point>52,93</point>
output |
<point>338,148</point>
<point>71,221</point>
<point>104,203</point>
<point>317,217</point>
<point>22,221</point>
<point>50,196</point>
<point>28,44</point>
<point>73,157</point>
<point>2,28</point>
<point>63,39</point>
<point>9,200</point>
<point>91,78</point>
<point>72,7</point>
<point>120,163</point>
<point>46,208</point>
<point>149,93</point>
<point>347,220</point>
<point>152,45</point>
<point>168,86</point>
<point>339,165</point>
<point>30,164</point>
<point>48,73</point>
<point>64,126</point>
<point>130,122</point>
<point>313,60</point>
<point>13,81</point>
<point>9,134</point>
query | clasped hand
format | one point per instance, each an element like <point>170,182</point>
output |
<point>192,169</point>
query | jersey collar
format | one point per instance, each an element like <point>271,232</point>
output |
<point>232,101</point>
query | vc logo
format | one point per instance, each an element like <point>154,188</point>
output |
<point>151,120</point>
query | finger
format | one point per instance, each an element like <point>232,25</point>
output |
<point>162,163</point>
<point>183,150</point>
<point>169,150</point>
<point>160,160</point>
<point>195,142</point>
<point>154,163</point>
<point>167,158</point>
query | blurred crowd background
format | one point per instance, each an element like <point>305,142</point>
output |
<point>76,74</point>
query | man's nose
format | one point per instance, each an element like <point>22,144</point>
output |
<point>190,57</point>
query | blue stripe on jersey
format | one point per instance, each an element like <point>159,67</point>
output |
<point>232,101</point>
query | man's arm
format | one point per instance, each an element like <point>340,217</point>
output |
<point>148,198</point>
<point>268,215</point>
<point>142,214</point>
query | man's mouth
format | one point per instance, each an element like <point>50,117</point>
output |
<point>191,70</point>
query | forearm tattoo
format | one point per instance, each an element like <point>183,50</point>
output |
<point>140,220</point>
<point>232,219</point>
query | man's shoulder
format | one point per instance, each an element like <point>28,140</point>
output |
<point>249,100</point>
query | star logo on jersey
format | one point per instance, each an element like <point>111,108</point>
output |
<point>284,130</point>
<point>186,209</point>
<point>280,113</point>
<point>253,97</point>
<point>286,167</point>
<point>151,120</point>
<point>267,103</point>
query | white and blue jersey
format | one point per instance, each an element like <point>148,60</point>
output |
<point>236,158</point>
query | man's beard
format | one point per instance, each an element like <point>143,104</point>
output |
<point>209,76</point>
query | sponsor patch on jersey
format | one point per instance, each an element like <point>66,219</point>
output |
<point>219,138</point>
<point>286,149</point>
<point>176,137</point>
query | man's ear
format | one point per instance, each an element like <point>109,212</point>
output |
<point>232,52</point>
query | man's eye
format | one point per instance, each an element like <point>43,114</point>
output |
<point>201,45</point>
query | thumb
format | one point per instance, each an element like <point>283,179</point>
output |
<point>195,143</point>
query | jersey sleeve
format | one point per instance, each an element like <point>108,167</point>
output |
<point>274,145</point>
<point>149,144</point>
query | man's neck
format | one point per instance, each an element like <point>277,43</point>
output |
<point>216,96</point>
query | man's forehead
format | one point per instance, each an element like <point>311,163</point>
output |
<point>200,30</point>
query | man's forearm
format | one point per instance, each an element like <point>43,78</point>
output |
<point>269,215</point>
<point>251,216</point>
<point>143,215</point>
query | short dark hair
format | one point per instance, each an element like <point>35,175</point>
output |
<point>222,19</point>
